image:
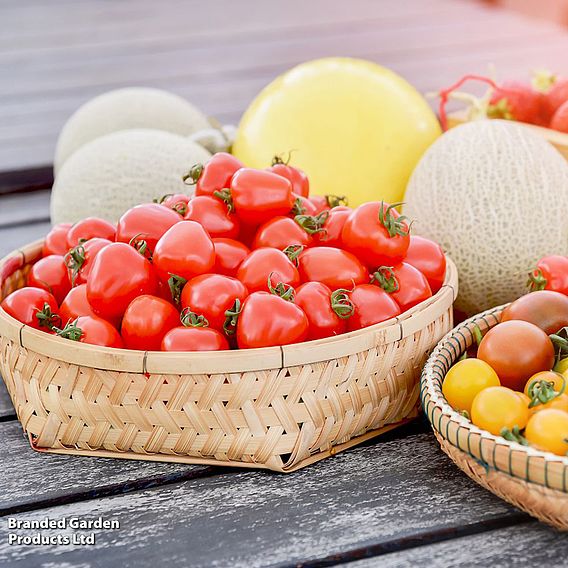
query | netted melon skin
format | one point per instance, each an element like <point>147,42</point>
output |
<point>109,175</point>
<point>495,196</point>
<point>125,109</point>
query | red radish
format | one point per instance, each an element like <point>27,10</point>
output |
<point>560,119</point>
<point>518,101</point>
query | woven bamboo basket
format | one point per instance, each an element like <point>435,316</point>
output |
<point>558,139</point>
<point>279,408</point>
<point>534,481</point>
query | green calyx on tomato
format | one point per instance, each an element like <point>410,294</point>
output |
<point>293,252</point>
<point>336,200</point>
<point>312,224</point>
<point>74,260</point>
<point>395,226</point>
<point>225,196</point>
<point>191,319</point>
<point>70,331</point>
<point>560,342</point>
<point>47,318</point>
<point>384,276</point>
<point>542,391</point>
<point>232,317</point>
<point>298,208</point>
<point>514,435</point>
<point>141,246</point>
<point>536,280</point>
<point>176,284</point>
<point>283,290</point>
<point>341,303</point>
<point>193,175</point>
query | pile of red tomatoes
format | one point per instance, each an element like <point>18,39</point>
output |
<point>251,260</point>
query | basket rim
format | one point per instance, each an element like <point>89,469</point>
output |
<point>265,358</point>
<point>436,399</point>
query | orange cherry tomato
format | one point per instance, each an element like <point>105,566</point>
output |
<point>495,408</point>
<point>547,430</point>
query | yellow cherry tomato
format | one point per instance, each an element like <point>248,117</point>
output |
<point>354,127</point>
<point>556,379</point>
<point>559,402</point>
<point>526,400</point>
<point>548,430</point>
<point>495,408</point>
<point>562,367</point>
<point>465,380</point>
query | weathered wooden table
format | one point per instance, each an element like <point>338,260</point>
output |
<point>397,501</point>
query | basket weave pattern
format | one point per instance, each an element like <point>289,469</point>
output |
<point>275,408</point>
<point>532,480</point>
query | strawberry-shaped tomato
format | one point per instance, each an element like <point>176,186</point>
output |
<point>303,206</point>
<point>89,228</point>
<point>320,203</point>
<point>50,273</point>
<point>560,118</point>
<point>256,268</point>
<point>176,201</point>
<point>407,285</point>
<point>75,304</point>
<point>146,222</point>
<point>551,273</point>
<point>146,320</point>
<point>331,266</point>
<point>185,250</point>
<point>215,175</point>
<point>56,240</point>
<point>194,335</point>
<point>429,258</point>
<point>371,305</point>
<point>229,254</point>
<point>327,311</point>
<point>281,232</point>
<point>211,295</point>
<point>79,259</point>
<point>514,100</point>
<point>257,195</point>
<point>119,274</point>
<point>298,179</point>
<point>35,307</point>
<point>330,235</point>
<point>214,216</point>
<point>267,320</point>
<point>93,330</point>
<point>376,234</point>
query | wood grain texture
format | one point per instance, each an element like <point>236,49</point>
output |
<point>371,494</point>
<point>525,546</point>
<point>23,471</point>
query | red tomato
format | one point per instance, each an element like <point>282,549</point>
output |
<point>228,256</point>
<point>75,305</point>
<point>516,350</point>
<point>258,195</point>
<point>514,100</point>
<point>146,320</point>
<point>79,260</point>
<point>267,320</point>
<point>429,258</point>
<point>376,234</point>
<point>92,330</point>
<point>148,222</point>
<point>194,339</point>
<point>556,96</point>
<point>298,179</point>
<point>35,307</point>
<point>50,273</point>
<point>211,295</point>
<point>185,250</point>
<point>119,274</point>
<point>560,119</point>
<point>372,305</point>
<point>261,263</point>
<point>331,266</point>
<point>89,228</point>
<point>214,217</point>
<point>56,240</point>
<point>327,311</point>
<point>407,285</point>
<point>215,175</point>
<point>551,273</point>
<point>331,234</point>
<point>176,201</point>
<point>281,232</point>
<point>320,203</point>
<point>303,206</point>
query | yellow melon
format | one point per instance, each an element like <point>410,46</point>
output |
<point>122,109</point>
<point>110,174</point>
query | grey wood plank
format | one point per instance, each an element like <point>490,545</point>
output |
<point>366,495</point>
<point>524,546</point>
<point>6,407</point>
<point>33,479</point>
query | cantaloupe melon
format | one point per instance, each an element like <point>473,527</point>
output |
<point>495,196</point>
<point>122,109</point>
<point>112,173</point>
